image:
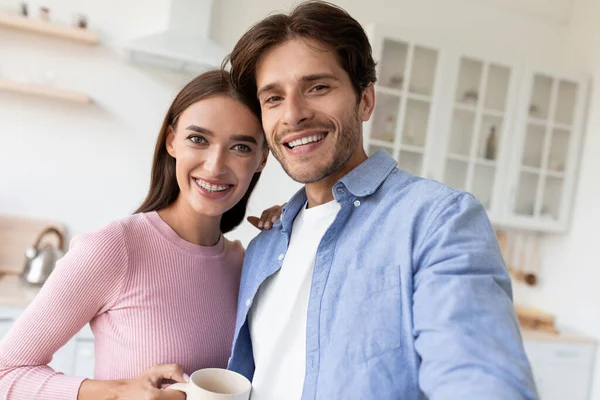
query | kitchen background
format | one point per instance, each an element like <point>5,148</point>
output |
<point>451,73</point>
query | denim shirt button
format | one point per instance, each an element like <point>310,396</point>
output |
<point>356,203</point>
<point>280,257</point>
<point>248,302</point>
<point>340,190</point>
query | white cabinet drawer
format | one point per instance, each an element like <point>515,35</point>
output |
<point>86,333</point>
<point>8,316</point>
<point>5,325</point>
<point>84,359</point>
<point>562,382</point>
<point>562,371</point>
<point>560,353</point>
<point>62,360</point>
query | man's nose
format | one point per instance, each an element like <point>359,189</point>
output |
<point>297,110</point>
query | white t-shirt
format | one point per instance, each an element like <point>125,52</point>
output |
<point>278,315</point>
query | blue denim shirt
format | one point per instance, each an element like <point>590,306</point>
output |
<point>410,297</point>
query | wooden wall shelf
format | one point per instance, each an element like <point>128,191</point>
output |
<point>15,21</point>
<point>46,91</point>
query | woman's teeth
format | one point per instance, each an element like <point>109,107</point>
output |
<point>306,140</point>
<point>210,187</point>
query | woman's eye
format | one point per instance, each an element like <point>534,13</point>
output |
<point>243,148</point>
<point>197,139</point>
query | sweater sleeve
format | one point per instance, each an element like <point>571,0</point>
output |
<point>85,283</point>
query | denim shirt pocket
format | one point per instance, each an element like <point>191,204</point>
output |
<point>368,315</point>
<point>377,328</point>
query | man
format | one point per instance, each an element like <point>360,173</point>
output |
<point>375,284</point>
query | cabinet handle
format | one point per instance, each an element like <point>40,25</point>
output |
<point>566,354</point>
<point>6,320</point>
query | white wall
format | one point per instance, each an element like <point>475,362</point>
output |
<point>478,22</point>
<point>558,11</point>
<point>83,165</point>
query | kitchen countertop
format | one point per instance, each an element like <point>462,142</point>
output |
<point>16,293</point>
<point>564,336</point>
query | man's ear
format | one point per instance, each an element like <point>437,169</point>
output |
<point>367,103</point>
<point>264,159</point>
<point>169,141</point>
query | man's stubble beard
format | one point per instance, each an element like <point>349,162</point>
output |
<point>346,144</point>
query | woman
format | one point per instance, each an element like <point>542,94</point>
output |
<point>159,286</point>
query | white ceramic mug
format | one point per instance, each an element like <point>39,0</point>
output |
<point>215,384</point>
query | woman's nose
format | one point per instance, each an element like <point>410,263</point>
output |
<point>215,162</point>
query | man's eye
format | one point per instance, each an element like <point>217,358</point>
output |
<point>318,88</point>
<point>272,99</point>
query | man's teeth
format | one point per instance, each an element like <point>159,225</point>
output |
<point>210,187</point>
<point>306,140</point>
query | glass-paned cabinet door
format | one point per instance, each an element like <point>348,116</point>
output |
<point>477,128</point>
<point>400,123</point>
<point>551,132</point>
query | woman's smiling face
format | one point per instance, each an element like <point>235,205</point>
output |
<point>218,145</point>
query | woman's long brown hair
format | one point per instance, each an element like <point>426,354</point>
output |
<point>163,182</point>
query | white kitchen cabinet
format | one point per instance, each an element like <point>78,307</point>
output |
<point>561,370</point>
<point>475,131</point>
<point>406,101</point>
<point>503,130</point>
<point>548,137</point>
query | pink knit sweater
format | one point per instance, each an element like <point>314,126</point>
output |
<point>149,296</point>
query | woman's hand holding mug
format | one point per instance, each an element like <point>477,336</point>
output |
<point>147,386</point>
<point>215,384</point>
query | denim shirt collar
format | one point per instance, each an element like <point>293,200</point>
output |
<point>365,179</point>
<point>362,181</point>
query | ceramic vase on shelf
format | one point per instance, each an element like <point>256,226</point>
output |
<point>490,148</point>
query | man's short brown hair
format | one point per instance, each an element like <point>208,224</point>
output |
<point>320,21</point>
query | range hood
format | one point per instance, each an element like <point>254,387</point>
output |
<point>185,44</point>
